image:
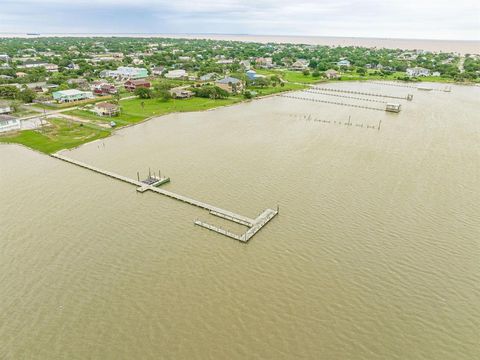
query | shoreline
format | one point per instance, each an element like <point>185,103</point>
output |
<point>242,101</point>
<point>434,45</point>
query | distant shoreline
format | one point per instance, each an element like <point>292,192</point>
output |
<point>436,45</point>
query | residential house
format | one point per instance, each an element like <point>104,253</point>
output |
<point>5,109</point>
<point>225,61</point>
<point>264,62</point>
<point>300,65</point>
<point>158,70</point>
<point>246,64</point>
<point>132,85</point>
<point>209,77</point>
<point>73,66</point>
<point>131,73</point>
<point>29,64</point>
<point>51,67</point>
<point>72,95</point>
<point>4,57</point>
<point>20,74</point>
<point>252,75</point>
<point>343,62</point>
<point>9,123</point>
<point>181,93</point>
<point>106,109</point>
<point>436,73</point>
<point>331,74</point>
<point>417,71</point>
<point>102,88</point>
<point>80,83</point>
<point>176,74</point>
<point>230,84</point>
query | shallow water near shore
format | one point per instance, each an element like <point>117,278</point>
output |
<point>374,255</point>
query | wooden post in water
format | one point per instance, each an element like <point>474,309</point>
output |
<point>138,176</point>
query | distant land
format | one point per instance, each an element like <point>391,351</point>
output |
<point>457,46</point>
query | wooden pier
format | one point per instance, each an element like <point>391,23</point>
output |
<point>313,91</point>
<point>254,225</point>
<point>331,102</point>
<point>408,97</point>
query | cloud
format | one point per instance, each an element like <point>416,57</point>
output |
<point>362,18</point>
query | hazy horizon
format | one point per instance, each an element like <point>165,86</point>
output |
<point>387,19</point>
<point>107,34</point>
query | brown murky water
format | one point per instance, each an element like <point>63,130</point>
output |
<point>374,255</point>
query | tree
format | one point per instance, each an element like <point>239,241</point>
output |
<point>306,72</point>
<point>361,71</point>
<point>9,92</point>
<point>27,95</point>
<point>316,73</point>
<point>247,95</point>
<point>143,93</point>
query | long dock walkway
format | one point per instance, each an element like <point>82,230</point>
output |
<point>313,91</point>
<point>330,102</point>
<point>254,225</point>
<point>408,97</point>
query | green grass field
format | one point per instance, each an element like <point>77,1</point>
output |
<point>262,91</point>
<point>60,135</point>
<point>132,111</point>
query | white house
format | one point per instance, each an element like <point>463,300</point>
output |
<point>300,64</point>
<point>343,62</point>
<point>125,73</point>
<point>417,71</point>
<point>9,123</point>
<point>5,109</point>
<point>176,74</point>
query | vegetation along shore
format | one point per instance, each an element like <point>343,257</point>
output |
<point>58,93</point>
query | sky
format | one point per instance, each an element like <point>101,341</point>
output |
<point>417,19</point>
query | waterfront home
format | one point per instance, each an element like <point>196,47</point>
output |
<point>417,71</point>
<point>106,109</point>
<point>331,74</point>
<point>230,84</point>
<point>176,74</point>
<point>20,74</point>
<point>102,88</point>
<point>9,123</point>
<point>436,73</point>
<point>252,75</point>
<point>132,85</point>
<point>300,65</point>
<point>343,62</point>
<point>72,95</point>
<point>181,93</point>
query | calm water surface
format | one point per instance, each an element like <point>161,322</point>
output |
<point>374,255</point>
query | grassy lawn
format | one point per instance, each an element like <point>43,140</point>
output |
<point>132,112</point>
<point>60,135</point>
<point>262,91</point>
